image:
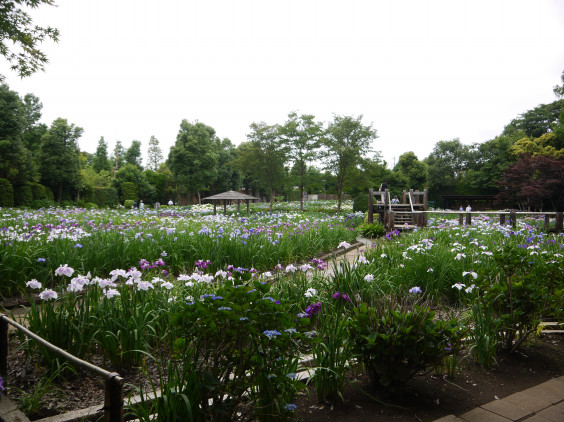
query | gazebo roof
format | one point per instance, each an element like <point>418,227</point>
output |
<point>231,195</point>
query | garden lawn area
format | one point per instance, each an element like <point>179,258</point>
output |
<point>244,304</point>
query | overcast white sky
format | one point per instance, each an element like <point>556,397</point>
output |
<point>419,70</point>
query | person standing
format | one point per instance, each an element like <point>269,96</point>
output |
<point>141,205</point>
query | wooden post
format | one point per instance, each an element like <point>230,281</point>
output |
<point>502,219</point>
<point>238,206</point>
<point>113,398</point>
<point>468,218</point>
<point>546,222</point>
<point>390,221</point>
<point>214,208</point>
<point>3,348</point>
<point>413,197</point>
<point>460,219</point>
<point>248,209</point>
<point>225,206</point>
<point>425,200</point>
<point>370,206</point>
<point>559,219</point>
<point>513,218</point>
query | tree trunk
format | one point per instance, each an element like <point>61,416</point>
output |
<point>199,198</point>
<point>271,197</point>
<point>60,193</point>
<point>301,196</point>
<point>339,194</point>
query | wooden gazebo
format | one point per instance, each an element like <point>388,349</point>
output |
<point>230,196</point>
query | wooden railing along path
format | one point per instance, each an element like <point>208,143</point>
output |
<point>419,218</point>
<point>113,399</point>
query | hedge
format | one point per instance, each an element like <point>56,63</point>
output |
<point>6,194</point>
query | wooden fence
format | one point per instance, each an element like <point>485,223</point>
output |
<point>465,218</point>
<point>113,398</point>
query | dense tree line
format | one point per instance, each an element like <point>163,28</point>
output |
<point>40,163</point>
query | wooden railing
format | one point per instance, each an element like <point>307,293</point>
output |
<point>465,218</point>
<point>113,398</point>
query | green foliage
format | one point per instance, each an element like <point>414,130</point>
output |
<point>43,203</point>
<point>414,171</point>
<point>129,191</point>
<point>484,336</point>
<point>16,26</point>
<point>395,343</point>
<point>128,203</point>
<point>193,158</point>
<point>29,403</point>
<point>105,197</point>
<point>6,193</point>
<point>133,155</point>
<point>331,354</point>
<point>41,192</point>
<point>59,156</point>
<point>360,202</point>
<point>346,142</point>
<point>539,120</point>
<point>243,342</point>
<point>522,294</point>
<point>101,161</point>
<point>23,196</point>
<point>179,391</point>
<point>371,230</point>
<point>262,158</point>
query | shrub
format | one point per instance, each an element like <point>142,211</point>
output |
<point>128,203</point>
<point>128,191</point>
<point>394,343</point>
<point>43,203</point>
<point>6,194</point>
<point>41,192</point>
<point>242,341</point>
<point>23,195</point>
<point>360,202</point>
<point>371,230</point>
<point>522,294</point>
<point>105,197</point>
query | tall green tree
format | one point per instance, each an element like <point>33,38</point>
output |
<point>415,172</point>
<point>539,120</point>
<point>228,178</point>
<point>101,161</point>
<point>193,158</point>
<point>154,154</point>
<point>32,131</point>
<point>18,33</point>
<point>346,142</point>
<point>263,157</point>
<point>133,155</point>
<point>15,160</point>
<point>489,161</point>
<point>118,157</point>
<point>302,135</point>
<point>447,165</point>
<point>59,154</point>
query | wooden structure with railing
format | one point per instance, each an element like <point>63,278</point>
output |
<point>411,212</point>
<point>407,214</point>
<point>113,398</point>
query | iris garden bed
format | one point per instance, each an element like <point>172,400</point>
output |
<point>231,329</point>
